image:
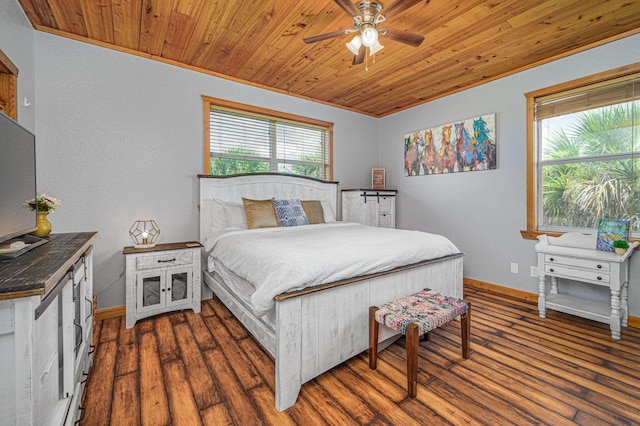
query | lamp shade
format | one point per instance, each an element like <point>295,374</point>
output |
<point>376,48</point>
<point>354,45</point>
<point>369,36</point>
<point>144,233</point>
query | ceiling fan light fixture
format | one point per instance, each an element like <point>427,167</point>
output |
<point>354,44</point>
<point>367,15</point>
<point>369,37</point>
<point>376,48</point>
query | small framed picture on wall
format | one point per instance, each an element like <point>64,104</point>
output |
<point>377,178</point>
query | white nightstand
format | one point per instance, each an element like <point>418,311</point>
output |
<point>163,278</point>
<point>573,257</point>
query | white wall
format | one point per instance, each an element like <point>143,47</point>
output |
<point>483,212</point>
<point>17,43</point>
<point>120,138</point>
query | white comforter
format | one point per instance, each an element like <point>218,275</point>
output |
<point>278,260</point>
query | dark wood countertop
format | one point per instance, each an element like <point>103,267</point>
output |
<point>39,270</point>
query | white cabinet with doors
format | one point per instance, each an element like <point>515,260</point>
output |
<point>161,279</point>
<point>46,318</point>
<point>370,207</point>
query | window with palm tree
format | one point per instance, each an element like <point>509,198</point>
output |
<point>586,150</point>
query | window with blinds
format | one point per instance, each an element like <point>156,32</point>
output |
<point>242,139</point>
<point>587,154</point>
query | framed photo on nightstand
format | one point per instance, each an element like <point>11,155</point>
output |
<point>610,230</point>
<point>377,179</point>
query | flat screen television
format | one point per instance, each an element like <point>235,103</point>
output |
<point>17,184</point>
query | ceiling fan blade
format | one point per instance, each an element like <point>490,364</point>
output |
<point>321,37</point>
<point>348,7</point>
<point>401,36</point>
<point>359,58</point>
<point>398,6</point>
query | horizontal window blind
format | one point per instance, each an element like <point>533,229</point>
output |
<point>589,97</point>
<point>300,143</point>
<point>281,144</point>
<point>237,134</point>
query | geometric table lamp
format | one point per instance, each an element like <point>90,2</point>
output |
<point>144,233</point>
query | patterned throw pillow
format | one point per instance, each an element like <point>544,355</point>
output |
<point>290,212</point>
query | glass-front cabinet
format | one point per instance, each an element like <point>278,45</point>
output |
<point>161,279</point>
<point>164,288</point>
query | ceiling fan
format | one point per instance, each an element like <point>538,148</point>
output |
<point>367,16</point>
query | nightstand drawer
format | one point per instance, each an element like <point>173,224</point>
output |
<point>164,260</point>
<point>580,263</point>
<point>578,274</point>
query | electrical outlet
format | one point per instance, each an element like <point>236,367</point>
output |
<point>534,271</point>
<point>514,268</point>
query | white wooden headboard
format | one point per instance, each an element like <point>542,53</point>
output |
<point>261,187</point>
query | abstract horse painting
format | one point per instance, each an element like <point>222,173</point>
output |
<point>412,153</point>
<point>486,147</point>
<point>466,152</point>
<point>447,155</point>
<point>466,145</point>
<point>429,154</point>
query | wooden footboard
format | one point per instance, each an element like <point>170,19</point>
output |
<point>317,329</point>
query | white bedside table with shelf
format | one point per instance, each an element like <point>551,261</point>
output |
<point>163,278</point>
<point>573,257</point>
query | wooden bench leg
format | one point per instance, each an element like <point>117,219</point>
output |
<point>413,340</point>
<point>374,328</point>
<point>465,330</point>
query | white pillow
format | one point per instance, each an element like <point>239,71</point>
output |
<point>235,215</point>
<point>329,214</point>
<point>224,214</point>
<point>213,215</point>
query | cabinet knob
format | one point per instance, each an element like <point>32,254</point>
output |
<point>599,278</point>
<point>551,259</point>
<point>550,269</point>
<point>599,266</point>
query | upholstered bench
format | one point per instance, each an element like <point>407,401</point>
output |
<point>414,316</point>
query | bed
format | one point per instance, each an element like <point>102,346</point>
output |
<point>313,327</point>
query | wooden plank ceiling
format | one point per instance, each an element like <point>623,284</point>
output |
<point>467,42</point>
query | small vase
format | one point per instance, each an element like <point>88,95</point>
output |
<point>620,251</point>
<point>44,226</point>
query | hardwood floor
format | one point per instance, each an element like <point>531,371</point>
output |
<point>188,369</point>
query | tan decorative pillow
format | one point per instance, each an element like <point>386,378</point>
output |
<point>313,210</point>
<point>260,213</point>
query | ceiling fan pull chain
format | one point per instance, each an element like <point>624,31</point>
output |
<point>366,62</point>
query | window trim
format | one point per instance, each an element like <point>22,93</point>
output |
<point>8,86</point>
<point>532,232</point>
<point>210,102</point>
